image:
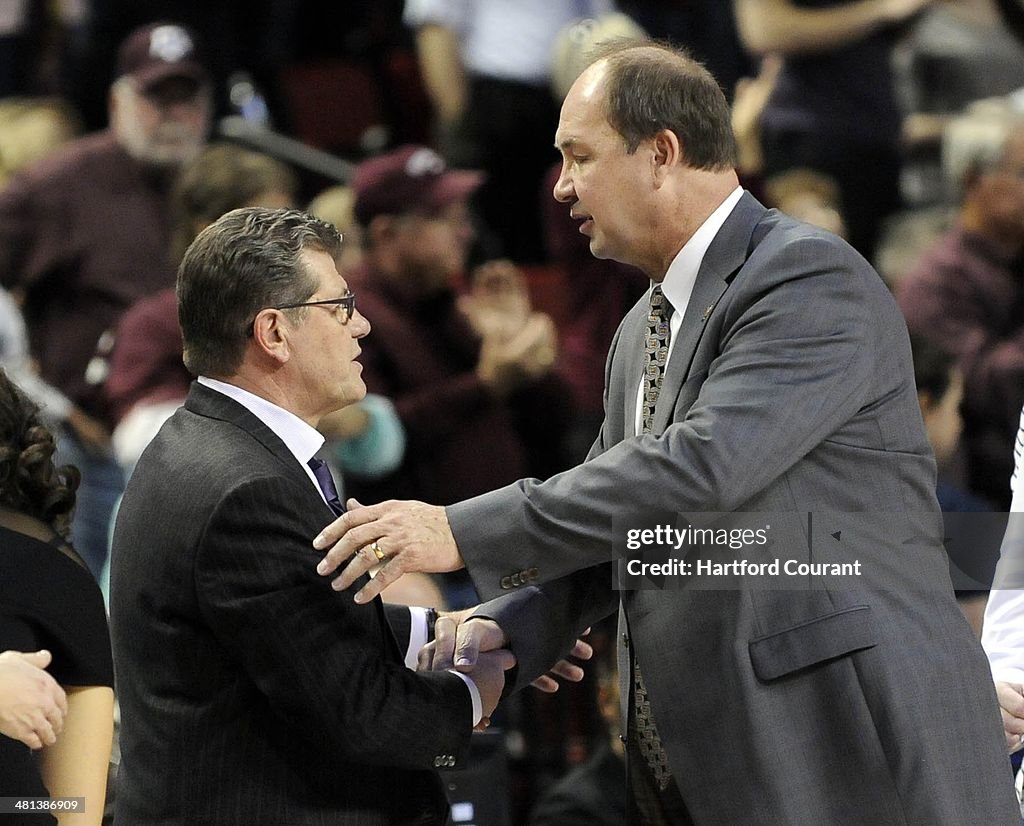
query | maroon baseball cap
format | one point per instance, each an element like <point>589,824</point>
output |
<point>409,179</point>
<point>159,51</point>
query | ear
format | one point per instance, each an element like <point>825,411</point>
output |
<point>667,153</point>
<point>270,334</point>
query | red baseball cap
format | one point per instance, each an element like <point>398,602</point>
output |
<point>409,179</point>
<point>159,51</point>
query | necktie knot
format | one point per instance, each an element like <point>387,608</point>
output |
<point>661,308</point>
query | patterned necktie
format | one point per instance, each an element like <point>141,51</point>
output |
<point>656,348</point>
<point>326,482</point>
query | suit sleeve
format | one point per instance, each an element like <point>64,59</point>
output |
<point>400,621</point>
<point>328,668</point>
<point>794,362</point>
<point>543,623</point>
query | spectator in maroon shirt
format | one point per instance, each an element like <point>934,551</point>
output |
<point>85,233</point>
<point>472,379</point>
<point>967,295</point>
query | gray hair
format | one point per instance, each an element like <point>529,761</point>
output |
<point>976,141</point>
<point>245,261</point>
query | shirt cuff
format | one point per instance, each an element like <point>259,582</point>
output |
<point>474,693</point>
<point>417,636</point>
<point>1008,675</point>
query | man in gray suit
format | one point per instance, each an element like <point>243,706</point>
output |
<point>767,371</point>
<point>251,693</point>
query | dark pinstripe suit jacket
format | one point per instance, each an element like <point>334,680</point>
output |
<point>251,693</point>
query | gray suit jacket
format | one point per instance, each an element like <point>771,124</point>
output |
<point>251,693</point>
<point>789,390</point>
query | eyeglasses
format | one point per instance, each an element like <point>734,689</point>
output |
<point>344,307</point>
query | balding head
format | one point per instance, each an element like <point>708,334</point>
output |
<point>647,153</point>
<point>649,87</point>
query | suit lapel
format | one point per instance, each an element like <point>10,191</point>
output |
<point>634,357</point>
<point>206,402</point>
<point>727,253</point>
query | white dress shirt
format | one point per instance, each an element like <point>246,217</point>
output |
<point>505,39</point>
<point>680,278</point>
<point>1003,632</point>
<point>303,442</point>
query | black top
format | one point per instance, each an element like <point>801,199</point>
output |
<point>847,91</point>
<point>593,794</point>
<point>48,600</point>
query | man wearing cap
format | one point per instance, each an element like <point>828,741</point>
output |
<point>84,235</point>
<point>471,379</point>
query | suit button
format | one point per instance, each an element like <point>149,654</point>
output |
<point>517,579</point>
<point>506,583</point>
<point>622,738</point>
<point>451,761</point>
<point>437,762</point>
<point>532,574</point>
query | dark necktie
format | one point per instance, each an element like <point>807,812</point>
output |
<point>326,482</point>
<point>656,348</point>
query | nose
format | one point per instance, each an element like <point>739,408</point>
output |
<point>359,325</point>
<point>563,191</point>
<point>178,108</point>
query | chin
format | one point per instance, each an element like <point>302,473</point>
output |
<point>357,394</point>
<point>597,250</point>
<point>348,394</point>
<point>170,154</point>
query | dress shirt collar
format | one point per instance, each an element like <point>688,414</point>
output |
<point>301,440</point>
<point>682,272</point>
<point>680,278</point>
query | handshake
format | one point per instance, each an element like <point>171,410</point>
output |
<point>477,646</point>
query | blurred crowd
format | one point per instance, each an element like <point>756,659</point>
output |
<point>423,130</point>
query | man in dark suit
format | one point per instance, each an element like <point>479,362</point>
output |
<point>766,373</point>
<point>251,693</point>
